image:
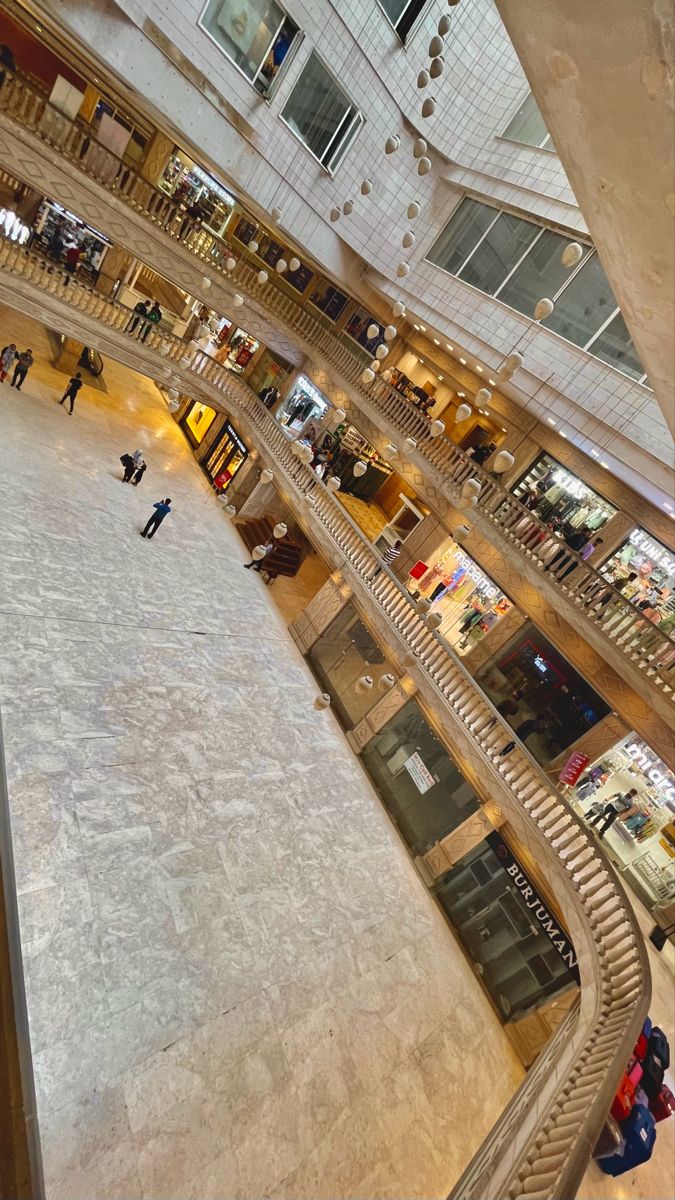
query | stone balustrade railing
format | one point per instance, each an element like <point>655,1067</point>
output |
<point>596,600</point>
<point>541,1145</point>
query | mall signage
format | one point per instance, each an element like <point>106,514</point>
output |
<point>573,767</point>
<point>654,769</point>
<point>534,902</point>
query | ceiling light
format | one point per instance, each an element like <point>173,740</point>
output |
<point>550,420</point>
<point>604,464</point>
<point>440,376</point>
<point>38,29</point>
<point>463,361</point>
<point>423,328</point>
<point>563,434</point>
<point>503,429</point>
<point>436,342</point>
<point>493,382</point>
<point>594,453</point>
<point>479,369</point>
<point>668,506</point>
<point>461,394</point>
<point>448,346</point>
<point>416,327</point>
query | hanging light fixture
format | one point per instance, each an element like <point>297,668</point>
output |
<point>543,309</point>
<point>335,214</point>
<point>258,553</point>
<point>173,405</point>
<point>262,277</point>
<point>471,487</point>
<point>366,187</point>
<point>237,300</point>
<point>348,207</point>
<point>398,310</point>
<point>391,145</point>
<point>382,351</point>
<point>424,166</point>
<point>386,682</point>
<point>310,499</point>
<point>444,25</point>
<point>461,533</point>
<point>483,396</point>
<point>423,605</point>
<point>333,484</point>
<point>410,444</point>
<point>408,239</point>
<point>436,67</point>
<point>571,255</point>
<point>422,79</point>
<point>206,282</point>
<point>402,269</point>
<point>436,428</point>
<point>419,148</point>
<point>372,331</point>
<point>253,246</point>
<point>364,684</point>
<point>468,502</point>
<point>280,530</point>
<point>359,469</point>
<point>414,209</point>
<point>281,266</point>
<point>386,375</point>
<point>390,333</point>
<point>294,264</point>
<point>510,365</point>
<point>339,414</point>
<point>230,263</point>
<point>428,107</point>
<point>266,476</point>
<point>433,620</point>
<point>322,701</point>
<point>390,448</point>
<point>504,460</point>
<point>276,215</point>
<point>375,365</point>
<point>463,412</point>
<point>435,46</point>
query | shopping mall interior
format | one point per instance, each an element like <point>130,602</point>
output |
<point>337,812</point>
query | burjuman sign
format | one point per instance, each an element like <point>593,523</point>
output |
<point>534,903</point>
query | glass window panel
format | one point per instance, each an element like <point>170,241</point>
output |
<point>498,253</point>
<point>527,125</point>
<point>540,274</point>
<point>465,227</point>
<point>403,14</point>
<point>614,346</point>
<point>277,54</point>
<point>584,305</point>
<point>243,30</point>
<point>320,112</point>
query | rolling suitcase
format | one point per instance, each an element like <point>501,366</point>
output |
<point>625,1096</point>
<point>658,1042</point>
<point>639,1132</point>
<point>653,1070</point>
<point>611,1141</point>
<point>664,1105</point>
<point>643,1041</point>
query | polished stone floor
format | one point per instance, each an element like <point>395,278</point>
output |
<point>237,985</point>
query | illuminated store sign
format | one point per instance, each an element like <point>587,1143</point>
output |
<point>474,572</point>
<point>571,485</point>
<point>656,552</point>
<point>653,768</point>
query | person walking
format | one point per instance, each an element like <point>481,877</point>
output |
<point>162,509</point>
<point>74,385</point>
<point>141,310</point>
<point>153,318</point>
<point>390,555</point>
<point>24,362</point>
<point>7,356</point>
<point>257,563</point>
<point>617,804</point>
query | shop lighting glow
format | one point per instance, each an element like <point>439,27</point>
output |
<point>14,229</point>
<point>479,369</point>
<point>448,346</point>
<point>463,361</point>
<point>550,420</point>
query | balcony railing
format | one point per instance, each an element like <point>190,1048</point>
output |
<point>609,613</point>
<point>541,1145</point>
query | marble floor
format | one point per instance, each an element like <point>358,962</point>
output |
<point>237,985</point>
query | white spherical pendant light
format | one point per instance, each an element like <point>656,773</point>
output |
<point>419,148</point>
<point>372,331</point>
<point>310,499</point>
<point>253,246</point>
<point>359,469</point>
<point>424,166</point>
<point>503,462</point>
<point>276,215</point>
<point>281,266</point>
<point>408,239</point>
<point>435,46</point>
<point>468,503</point>
<point>483,396</point>
<point>436,428</point>
<point>398,309</point>
<point>206,282</point>
<point>335,214</point>
<point>333,484</point>
<point>339,414</point>
<point>410,444</point>
<point>390,448</point>
<point>471,487</point>
<point>391,145</point>
<point>571,255</point>
<point>230,263</point>
<point>414,209</point>
<point>262,277</point>
<point>258,553</point>
<point>510,365</point>
<point>381,352</point>
<point>165,348</point>
<point>366,187</point>
<point>294,264</point>
<point>390,333</point>
<point>543,309</point>
<point>375,365</point>
<point>322,701</point>
<point>386,682</point>
<point>428,107</point>
<point>237,300</point>
<point>422,79</point>
<point>348,207</point>
<point>364,684</point>
<point>461,533</point>
<point>444,25</point>
<point>386,375</point>
<point>280,530</point>
<point>436,67</point>
<point>423,605</point>
<point>463,413</point>
<point>368,375</point>
<point>266,476</point>
<point>173,393</point>
<point>173,405</point>
<point>402,269</point>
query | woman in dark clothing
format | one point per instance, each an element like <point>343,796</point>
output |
<point>139,474</point>
<point>129,467</point>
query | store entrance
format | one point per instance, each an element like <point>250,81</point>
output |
<point>227,457</point>
<point>469,601</point>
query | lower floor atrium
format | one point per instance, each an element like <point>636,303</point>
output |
<point>237,983</point>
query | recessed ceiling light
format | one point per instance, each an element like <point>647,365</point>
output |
<point>492,382</point>
<point>423,328</point>
<point>448,346</point>
<point>38,29</point>
<point>503,429</point>
<point>479,369</point>
<point>594,453</point>
<point>463,361</point>
<point>436,342</point>
<point>668,506</point>
<point>440,376</point>
<point>550,420</point>
<point>461,395</point>
<point>604,464</point>
<point>563,434</point>
<point>416,327</point>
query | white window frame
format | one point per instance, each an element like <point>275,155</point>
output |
<point>252,81</point>
<point>413,28</point>
<point>356,122</point>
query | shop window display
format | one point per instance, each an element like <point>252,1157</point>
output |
<point>561,500</point>
<point>303,409</point>
<point>344,652</point>
<point>197,421</point>
<point>229,454</point>
<point>470,602</point>
<point>644,571</point>
<point>197,192</point>
<point>546,702</point>
<point>420,785</point>
<point>638,832</point>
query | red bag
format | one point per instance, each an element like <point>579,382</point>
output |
<point>625,1096</point>
<point>663,1105</point>
<point>418,570</point>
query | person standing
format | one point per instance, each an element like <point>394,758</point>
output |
<point>7,356</point>
<point>584,554</point>
<point>617,804</point>
<point>162,509</point>
<point>73,253</point>
<point>141,309</point>
<point>140,471</point>
<point>74,385</point>
<point>129,467</point>
<point>390,555</point>
<point>24,362</point>
<point>576,541</point>
<point>153,318</point>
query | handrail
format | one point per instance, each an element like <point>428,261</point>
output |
<point>596,598</point>
<point>544,1139</point>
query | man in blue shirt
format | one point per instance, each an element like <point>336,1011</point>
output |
<point>162,509</point>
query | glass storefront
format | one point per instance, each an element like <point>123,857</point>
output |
<point>228,455</point>
<point>192,187</point>
<point>552,706</point>
<point>644,570</point>
<point>509,932</point>
<point>470,602</point>
<point>197,421</point>
<point>238,353</point>
<point>639,838</point>
<point>345,651</point>
<point>352,448</point>
<point>329,300</point>
<point>423,791</point>
<point>302,409</point>
<point>560,499</point>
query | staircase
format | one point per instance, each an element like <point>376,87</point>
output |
<point>284,559</point>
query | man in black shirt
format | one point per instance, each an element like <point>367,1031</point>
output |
<point>74,385</point>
